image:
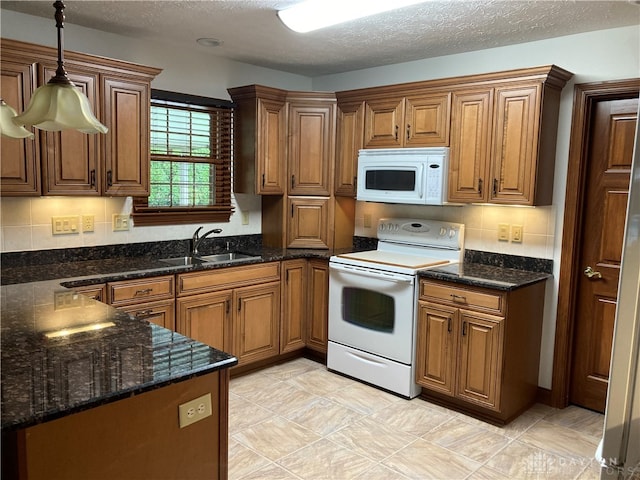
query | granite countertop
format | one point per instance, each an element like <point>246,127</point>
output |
<point>487,276</point>
<point>46,377</point>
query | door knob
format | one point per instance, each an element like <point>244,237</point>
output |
<point>591,273</point>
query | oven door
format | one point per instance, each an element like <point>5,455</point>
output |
<point>372,310</point>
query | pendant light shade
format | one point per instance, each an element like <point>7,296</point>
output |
<point>7,127</point>
<point>59,105</point>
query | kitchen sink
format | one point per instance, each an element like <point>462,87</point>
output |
<point>217,258</point>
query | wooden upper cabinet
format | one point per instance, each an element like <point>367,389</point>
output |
<point>471,116</point>
<point>310,221</point>
<point>311,146</point>
<point>126,144</point>
<point>73,163</point>
<point>71,159</point>
<point>417,120</point>
<point>261,139</point>
<point>349,140</point>
<point>20,165</point>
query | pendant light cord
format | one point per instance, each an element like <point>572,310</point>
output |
<point>61,76</point>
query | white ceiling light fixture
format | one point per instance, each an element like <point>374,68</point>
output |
<point>316,14</point>
<point>7,127</point>
<point>59,105</point>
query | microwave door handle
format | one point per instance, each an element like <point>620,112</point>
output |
<point>421,180</point>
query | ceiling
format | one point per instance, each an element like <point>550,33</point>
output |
<point>252,33</point>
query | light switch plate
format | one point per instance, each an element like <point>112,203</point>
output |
<point>503,232</point>
<point>120,222</point>
<point>516,233</point>
<point>65,225</point>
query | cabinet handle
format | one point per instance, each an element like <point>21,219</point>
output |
<point>291,211</point>
<point>287,276</point>
<point>449,324</point>
<point>480,182</point>
<point>92,177</point>
<point>109,179</point>
<point>458,298</point>
<point>228,304</point>
<point>146,291</point>
<point>239,304</point>
<point>396,132</point>
<point>144,313</point>
<point>408,131</point>
<point>293,181</point>
<point>355,183</point>
<point>495,186</point>
<point>464,329</point>
<point>263,180</point>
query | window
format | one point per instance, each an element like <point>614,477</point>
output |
<point>191,147</point>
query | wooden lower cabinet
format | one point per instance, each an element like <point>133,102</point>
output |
<point>479,348</point>
<point>318,313</point>
<point>294,305</point>
<point>161,313</point>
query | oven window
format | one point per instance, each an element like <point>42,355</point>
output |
<point>368,309</point>
<point>391,180</point>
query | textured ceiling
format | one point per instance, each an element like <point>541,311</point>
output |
<point>252,33</point>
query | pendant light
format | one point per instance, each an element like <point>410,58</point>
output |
<point>7,127</point>
<point>59,105</point>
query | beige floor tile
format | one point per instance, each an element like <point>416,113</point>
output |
<point>560,440</point>
<point>413,417</point>
<point>592,472</point>
<point>576,418</point>
<point>291,369</point>
<point>540,410</point>
<point>363,398</point>
<point>321,382</point>
<point>472,441</point>
<point>422,460</point>
<point>522,461</point>
<point>243,413</point>
<point>324,460</point>
<point>285,399</point>
<point>486,473</point>
<point>271,472</point>
<point>243,461</point>
<point>251,385</point>
<point>380,472</point>
<point>275,438</point>
<point>371,439</point>
<point>513,429</point>
<point>324,416</point>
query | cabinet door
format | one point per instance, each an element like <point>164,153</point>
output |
<point>427,119</point>
<point>20,165</point>
<point>480,359</point>
<point>160,313</point>
<point>126,144</point>
<point>257,322</point>
<point>207,318</point>
<point>515,145</point>
<point>436,347</point>
<point>294,305</point>
<point>271,139</point>
<point>70,159</point>
<point>318,313</point>
<point>308,225</point>
<point>310,148</point>
<point>348,143</point>
<point>469,156</point>
<point>382,123</point>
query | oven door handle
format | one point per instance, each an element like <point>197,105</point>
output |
<point>387,276</point>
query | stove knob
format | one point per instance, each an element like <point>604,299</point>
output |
<point>452,233</point>
<point>443,231</point>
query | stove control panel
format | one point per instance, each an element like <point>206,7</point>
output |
<point>433,233</point>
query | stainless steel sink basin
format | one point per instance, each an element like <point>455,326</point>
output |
<point>217,258</point>
<point>182,261</point>
<point>227,257</point>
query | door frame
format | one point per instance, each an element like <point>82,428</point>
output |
<point>585,97</point>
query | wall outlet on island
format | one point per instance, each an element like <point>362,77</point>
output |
<point>195,410</point>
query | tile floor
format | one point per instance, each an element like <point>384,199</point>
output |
<point>299,421</point>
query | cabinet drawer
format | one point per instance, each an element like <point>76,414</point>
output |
<point>129,292</point>
<point>200,282</point>
<point>161,313</point>
<point>467,297</point>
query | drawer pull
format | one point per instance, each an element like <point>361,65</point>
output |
<point>144,313</point>
<point>458,298</point>
<point>145,291</point>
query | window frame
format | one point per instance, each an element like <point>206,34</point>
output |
<point>144,215</point>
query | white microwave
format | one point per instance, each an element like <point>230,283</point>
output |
<point>403,175</point>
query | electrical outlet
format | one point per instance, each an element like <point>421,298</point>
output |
<point>245,218</point>
<point>88,223</point>
<point>503,232</point>
<point>516,233</point>
<point>367,220</point>
<point>120,222</point>
<point>65,225</point>
<point>195,410</point>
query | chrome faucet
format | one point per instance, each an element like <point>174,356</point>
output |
<point>196,240</point>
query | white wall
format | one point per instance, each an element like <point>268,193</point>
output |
<point>595,56</point>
